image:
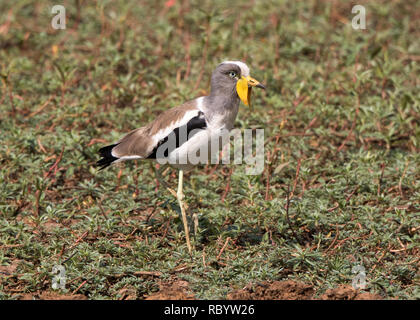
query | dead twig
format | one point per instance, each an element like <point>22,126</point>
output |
<point>223,248</point>
<point>287,214</point>
<point>296,177</point>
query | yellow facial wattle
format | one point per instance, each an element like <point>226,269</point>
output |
<point>244,88</point>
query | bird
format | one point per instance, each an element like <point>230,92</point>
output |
<point>180,131</point>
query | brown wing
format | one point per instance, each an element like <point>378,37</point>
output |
<point>141,142</point>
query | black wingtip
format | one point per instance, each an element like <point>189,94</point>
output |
<point>107,157</point>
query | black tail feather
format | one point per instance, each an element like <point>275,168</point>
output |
<point>107,157</point>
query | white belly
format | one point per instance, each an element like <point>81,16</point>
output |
<point>202,148</point>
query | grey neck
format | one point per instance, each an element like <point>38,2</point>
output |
<point>221,107</point>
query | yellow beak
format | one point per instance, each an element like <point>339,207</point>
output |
<point>244,88</point>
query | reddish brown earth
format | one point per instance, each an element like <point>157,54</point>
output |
<point>177,290</point>
<point>10,269</point>
<point>47,295</point>
<point>346,292</point>
<point>291,290</point>
<point>276,290</point>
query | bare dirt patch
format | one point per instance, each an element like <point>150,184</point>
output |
<point>292,290</point>
<point>9,269</point>
<point>276,290</point>
<point>47,295</point>
<point>177,290</point>
<point>347,292</point>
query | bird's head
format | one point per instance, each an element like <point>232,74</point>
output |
<point>234,76</point>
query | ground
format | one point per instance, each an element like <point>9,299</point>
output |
<point>340,187</point>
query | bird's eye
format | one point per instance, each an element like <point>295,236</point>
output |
<point>232,74</point>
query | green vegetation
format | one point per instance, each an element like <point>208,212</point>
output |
<point>341,118</point>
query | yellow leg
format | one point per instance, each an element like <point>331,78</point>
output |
<point>180,197</point>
